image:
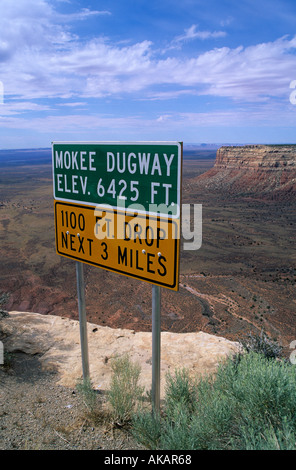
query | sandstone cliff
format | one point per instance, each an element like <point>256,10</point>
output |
<point>57,341</point>
<point>268,170</point>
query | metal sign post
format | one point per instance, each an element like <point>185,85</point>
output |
<point>156,348</point>
<point>98,189</point>
<point>82,320</point>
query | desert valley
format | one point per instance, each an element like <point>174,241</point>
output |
<point>241,280</point>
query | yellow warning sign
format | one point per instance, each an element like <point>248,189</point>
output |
<point>142,246</point>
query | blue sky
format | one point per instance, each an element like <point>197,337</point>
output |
<point>215,71</point>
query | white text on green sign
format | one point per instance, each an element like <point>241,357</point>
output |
<point>142,176</point>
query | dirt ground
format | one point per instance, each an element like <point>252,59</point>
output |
<point>38,414</point>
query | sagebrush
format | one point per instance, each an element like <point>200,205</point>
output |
<point>247,404</point>
<point>125,391</point>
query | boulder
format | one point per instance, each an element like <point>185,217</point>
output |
<point>57,341</point>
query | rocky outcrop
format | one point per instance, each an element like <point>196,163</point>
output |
<point>268,170</point>
<point>57,341</point>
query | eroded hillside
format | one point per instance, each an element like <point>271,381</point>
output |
<point>267,170</point>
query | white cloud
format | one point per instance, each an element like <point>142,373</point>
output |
<point>252,73</point>
<point>168,95</point>
<point>41,58</point>
<point>74,104</point>
<point>222,126</point>
<point>193,33</point>
<point>227,21</point>
<point>36,25</point>
<point>20,107</point>
<point>82,15</point>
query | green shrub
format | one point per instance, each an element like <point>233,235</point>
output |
<point>89,395</point>
<point>249,403</point>
<point>271,438</point>
<point>146,428</point>
<point>179,390</point>
<point>262,344</point>
<point>124,392</point>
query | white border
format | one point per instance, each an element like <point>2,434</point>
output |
<point>178,144</point>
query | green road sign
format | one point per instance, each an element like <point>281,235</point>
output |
<point>142,176</point>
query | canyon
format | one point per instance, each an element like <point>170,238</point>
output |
<point>241,280</point>
<point>268,170</point>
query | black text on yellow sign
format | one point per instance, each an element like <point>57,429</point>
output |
<point>136,245</point>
